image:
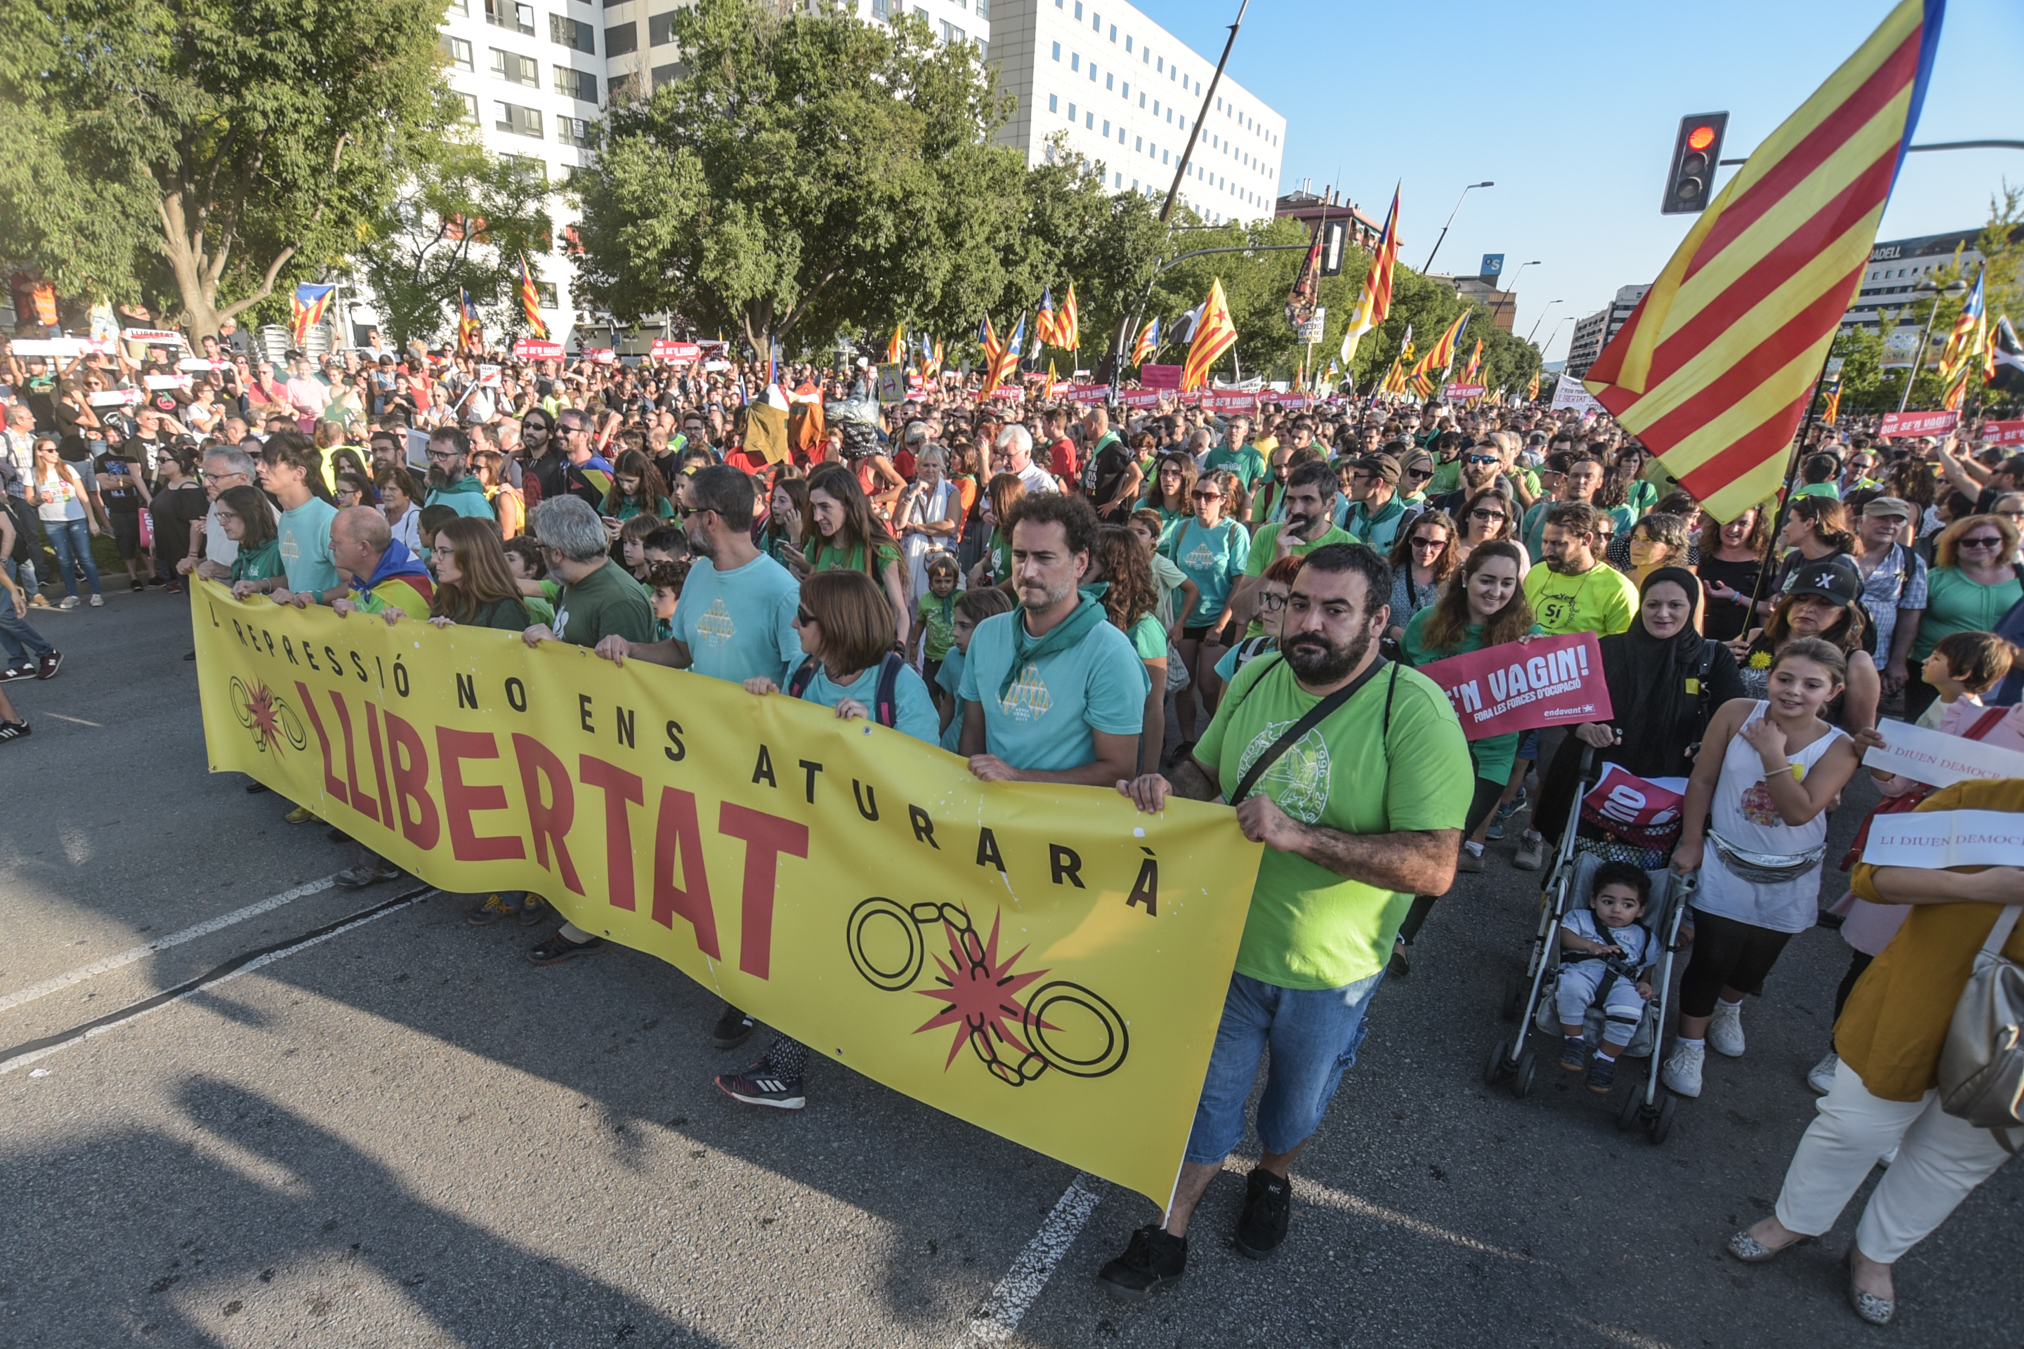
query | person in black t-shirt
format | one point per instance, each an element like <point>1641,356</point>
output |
<point>124,493</point>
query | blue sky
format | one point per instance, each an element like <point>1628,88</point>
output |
<point>1572,112</point>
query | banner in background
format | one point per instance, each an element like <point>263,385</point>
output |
<point>1995,433</point>
<point>1917,423</point>
<point>1041,961</point>
<point>1549,681</point>
<point>534,349</point>
<point>1570,392</point>
<point>681,353</point>
<point>1939,760</point>
<point>1945,838</point>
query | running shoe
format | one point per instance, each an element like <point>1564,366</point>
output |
<point>1601,1074</point>
<point>69,602</point>
<point>300,815</point>
<point>1725,1029</point>
<point>757,1087</point>
<point>12,730</point>
<point>98,601</point>
<point>1574,1053</point>
<point>359,877</point>
<point>14,672</point>
<point>1531,852</point>
<point>1682,1073</point>
<point>733,1028</point>
<point>1820,1077</point>
<point>51,663</point>
<point>492,910</point>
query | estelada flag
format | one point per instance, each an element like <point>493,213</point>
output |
<point>1043,322</point>
<point>1004,362</point>
<point>307,311</point>
<point>988,339</point>
<point>1215,334</point>
<point>470,333</point>
<point>1967,346</point>
<point>1148,342</point>
<point>1715,367</point>
<point>1441,354</point>
<point>1067,327</point>
<point>530,302</point>
<point>1375,305</point>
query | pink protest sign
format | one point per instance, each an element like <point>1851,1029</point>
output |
<point>2003,433</point>
<point>1160,376</point>
<point>1625,800</point>
<point>1549,681</point>
<point>1917,423</point>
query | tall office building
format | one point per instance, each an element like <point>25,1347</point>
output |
<point>1121,91</point>
<point>1592,334</point>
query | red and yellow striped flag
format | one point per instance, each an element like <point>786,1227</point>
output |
<point>530,302</point>
<point>1375,305</point>
<point>896,349</point>
<point>1475,365</point>
<point>1715,368</point>
<point>1215,334</point>
<point>1067,331</point>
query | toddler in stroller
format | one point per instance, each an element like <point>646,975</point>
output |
<point>1606,957</point>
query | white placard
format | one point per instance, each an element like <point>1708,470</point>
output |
<point>199,363</point>
<point>48,346</point>
<point>157,383</point>
<point>153,337</point>
<point>1940,760</point>
<point>113,398</point>
<point>1933,839</point>
<point>1569,393</point>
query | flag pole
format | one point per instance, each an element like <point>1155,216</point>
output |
<point>1791,480</point>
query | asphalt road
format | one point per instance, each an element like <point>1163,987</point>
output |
<point>405,1134</point>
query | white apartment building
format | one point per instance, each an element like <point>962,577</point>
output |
<point>1592,334</point>
<point>1124,93</point>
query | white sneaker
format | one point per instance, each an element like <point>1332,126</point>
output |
<point>1682,1073</point>
<point>1821,1076</point>
<point>98,601</point>
<point>68,602</point>
<point>1725,1030</point>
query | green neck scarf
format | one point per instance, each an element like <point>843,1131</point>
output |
<point>1029,650</point>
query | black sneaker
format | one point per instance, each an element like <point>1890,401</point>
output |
<point>12,730</point>
<point>1154,1259</point>
<point>1262,1225</point>
<point>559,948</point>
<point>139,586</point>
<point>1601,1074</point>
<point>49,665</point>
<point>1573,1053</point>
<point>733,1028</point>
<point>14,672</point>
<point>755,1086</point>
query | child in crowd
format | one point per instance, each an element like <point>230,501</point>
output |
<point>935,633</point>
<point>666,544</point>
<point>1607,927</point>
<point>632,544</point>
<point>972,608</point>
<point>428,522</point>
<point>1274,586</point>
<point>664,586</point>
<point>1963,667</point>
<point>530,569</point>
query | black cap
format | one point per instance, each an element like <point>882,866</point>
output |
<point>1833,579</point>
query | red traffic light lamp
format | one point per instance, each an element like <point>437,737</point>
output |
<point>1691,181</point>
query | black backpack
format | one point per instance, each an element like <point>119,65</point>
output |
<point>884,708</point>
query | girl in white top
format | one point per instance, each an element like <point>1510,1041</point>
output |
<point>1766,773</point>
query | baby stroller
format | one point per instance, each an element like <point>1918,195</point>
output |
<point>1528,999</point>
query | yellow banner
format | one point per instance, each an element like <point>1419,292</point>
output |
<point>1040,961</point>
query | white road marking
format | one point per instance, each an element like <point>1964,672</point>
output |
<point>1000,1315</point>
<point>188,934</point>
<point>23,1060</point>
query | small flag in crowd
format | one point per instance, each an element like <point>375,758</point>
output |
<point>1185,325</point>
<point>1833,412</point>
<point>1475,365</point>
<point>310,303</point>
<point>470,333</point>
<point>1214,334</point>
<point>1375,305</point>
<point>1043,322</point>
<point>1148,343</point>
<point>1716,366</point>
<point>1532,388</point>
<point>1067,328</point>
<point>530,302</point>
<point>1967,349</point>
<point>2006,359</point>
<point>896,350</point>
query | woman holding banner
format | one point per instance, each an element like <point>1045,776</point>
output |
<point>1484,607</point>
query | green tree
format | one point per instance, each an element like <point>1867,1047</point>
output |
<point>196,153</point>
<point>464,219</point>
<point>811,175</point>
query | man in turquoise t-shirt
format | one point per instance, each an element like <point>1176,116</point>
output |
<point>1052,692</point>
<point>1241,458</point>
<point>735,619</point>
<point>1360,814</point>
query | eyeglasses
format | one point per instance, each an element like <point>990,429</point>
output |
<point>1208,496</point>
<point>1430,543</point>
<point>1271,603</point>
<point>1486,514</point>
<point>1983,541</point>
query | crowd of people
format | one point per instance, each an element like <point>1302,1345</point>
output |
<point>1161,601</point>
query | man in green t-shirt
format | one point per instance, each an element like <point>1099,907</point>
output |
<point>1311,490</point>
<point>1243,459</point>
<point>1361,813</point>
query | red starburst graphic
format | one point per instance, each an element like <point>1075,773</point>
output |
<point>266,718</point>
<point>981,993</point>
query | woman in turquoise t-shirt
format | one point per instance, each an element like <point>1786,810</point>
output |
<point>1121,564</point>
<point>1211,550</point>
<point>1483,606</point>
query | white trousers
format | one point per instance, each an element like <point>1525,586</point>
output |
<point>1940,1160</point>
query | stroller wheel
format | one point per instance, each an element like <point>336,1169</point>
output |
<point>1499,1065</point>
<point>1528,1068</point>
<point>1626,1114</point>
<point>1514,998</point>
<point>1662,1125</point>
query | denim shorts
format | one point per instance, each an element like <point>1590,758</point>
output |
<point>1313,1034</point>
<point>1528,748</point>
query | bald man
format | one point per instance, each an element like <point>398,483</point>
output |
<point>383,576</point>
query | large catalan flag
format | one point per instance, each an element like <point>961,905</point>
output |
<point>470,332</point>
<point>1067,327</point>
<point>1148,342</point>
<point>530,302</point>
<point>1003,364</point>
<point>1715,367</point>
<point>308,310</point>
<point>1440,357</point>
<point>1215,333</point>
<point>1043,322</point>
<point>1375,305</point>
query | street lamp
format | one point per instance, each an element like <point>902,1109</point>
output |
<point>1565,319</point>
<point>1541,319</point>
<point>1953,290</point>
<point>1511,289</point>
<point>1451,220</point>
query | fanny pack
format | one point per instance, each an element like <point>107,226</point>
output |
<point>1765,868</point>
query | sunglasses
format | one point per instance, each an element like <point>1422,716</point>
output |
<point>1208,496</point>
<point>1982,541</point>
<point>1488,515</point>
<point>1482,459</point>
<point>803,617</point>
<point>1419,474</point>
<point>1430,543</point>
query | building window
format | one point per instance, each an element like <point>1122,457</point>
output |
<point>457,52</point>
<point>1160,66</point>
<point>534,168</point>
<point>567,32</point>
<point>1141,143</point>
<point>660,29</point>
<point>1106,128</point>
<point>1127,91</point>
<point>1092,72</point>
<point>1113,32</point>
<point>1110,81</point>
<point>1117,180</point>
<point>1089,121</point>
<point>462,7</point>
<point>518,120</point>
<point>572,131</point>
<point>668,74</point>
<point>1057,51</point>
<point>515,69</point>
<point>1075,60</point>
<point>470,106</point>
<point>983,8</point>
<point>1163,156</point>
<point>1127,42</point>
<point>578,84</point>
<point>1054,103</point>
<point>621,38</point>
<point>951,33</point>
<point>881,9</point>
<point>1071,112</point>
<point>544,292</point>
<point>508,14</point>
<point>1142,98</point>
<point>1078,8</point>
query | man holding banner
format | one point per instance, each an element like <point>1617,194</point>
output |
<point>1354,774</point>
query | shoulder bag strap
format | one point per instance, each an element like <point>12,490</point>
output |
<point>798,682</point>
<point>1990,719</point>
<point>2006,921</point>
<point>885,706</point>
<point>1316,714</point>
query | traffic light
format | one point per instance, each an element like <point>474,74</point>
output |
<point>1333,234</point>
<point>1695,153</point>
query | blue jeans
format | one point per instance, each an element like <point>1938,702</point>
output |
<point>72,541</point>
<point>22,643</point>
<point>1313,1034</point>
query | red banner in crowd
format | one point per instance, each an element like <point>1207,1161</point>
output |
<point>678,352</point>
<point>1917,423</point>
<point>1140,398</point>
<point>1549,681</point>
<point>1620,797</point>
<point>533,349</point>
<point>2003,433</point>
<point>599,355</point>
<point>1465,391</point>
<point>1160,376</point>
